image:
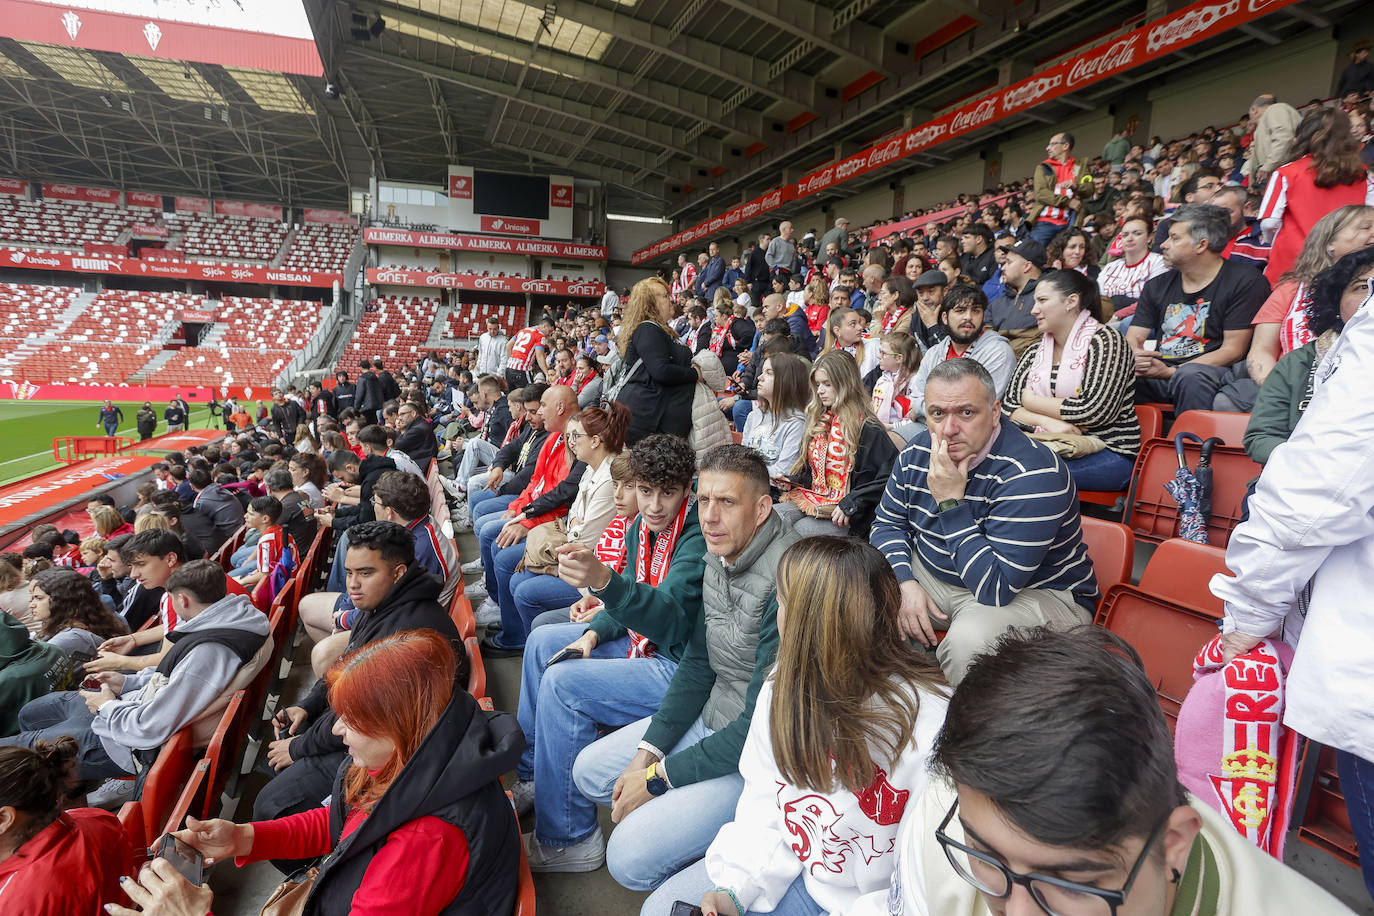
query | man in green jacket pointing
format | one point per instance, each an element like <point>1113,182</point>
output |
<point>679,769</point>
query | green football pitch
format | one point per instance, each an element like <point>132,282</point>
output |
<point>27,429</point>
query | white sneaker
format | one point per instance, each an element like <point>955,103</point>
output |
<point>522,797</point>
<point>588,855</point>
<point>112,793</point>
<point>489,614</point>
<point>475,592</point>
<point>473,566</point>
<point>452,488</point>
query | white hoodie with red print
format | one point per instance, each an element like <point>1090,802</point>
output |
<point>840,842</point>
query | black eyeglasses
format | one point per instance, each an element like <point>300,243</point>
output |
<point>1056,896</point>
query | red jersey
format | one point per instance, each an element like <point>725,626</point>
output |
<point>527,342</point>
<point>71,866</point>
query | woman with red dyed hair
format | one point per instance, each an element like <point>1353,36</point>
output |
<point>417,823</point>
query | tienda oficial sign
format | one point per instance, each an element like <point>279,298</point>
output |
<point>396,276</point>
<point>1187,26</point>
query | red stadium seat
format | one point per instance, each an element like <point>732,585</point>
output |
<point>186,803</point>
<point>1151,427</point>
<point>1182,571</point>
<point>524,897</point>
<point>1166,635</point>
<point>460,612</point>
<point>1229,427</point>
<point>1111,548</point>
<point>166,777</point>
<point>1325,820</point>
<point>477,672</point>
<point>1153,514</point>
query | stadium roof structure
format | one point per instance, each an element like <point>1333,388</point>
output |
<point>680,107</point>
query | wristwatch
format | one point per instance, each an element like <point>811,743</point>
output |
<point>654,781</point>
<point>948,504</point>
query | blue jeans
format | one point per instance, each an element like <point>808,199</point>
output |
<point>636,856</point>
<point>1044,232</point>
<point>247,552</point>
<point>58,715</point>
<point>487,509</point>
<point>1104,470</point>
<point>1357,785</point>
<point>477,453</point>
<point>336,572</point>
<point>692,883</point>
<point>741,412</point>
<point>480,496</point>
<point>111,428</point>
<point>499,564</point>
<point>533,594</point>
<point>560,709</point>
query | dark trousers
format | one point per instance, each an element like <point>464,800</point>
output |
<point>1357,785</point>
<point>1193,387</point>
<point>59,715</point>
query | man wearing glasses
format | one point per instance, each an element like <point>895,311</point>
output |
<point>1060,184</point>
<point>1060,796</point>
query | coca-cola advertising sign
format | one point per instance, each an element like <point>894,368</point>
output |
<point>13,187</point>
<point>192,205</point>
<point>460,187</point>
<point>560,195</point>
<point>1187,26</point>
<point>329,217</point>
<point>143,200</point>
<point>492,243</point>
<point>510,225</point>
<point>76,192</point>
<point>387,276</point>
<point>1116,57</point>
<point>252,211</point>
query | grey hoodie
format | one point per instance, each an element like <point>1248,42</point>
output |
<point>152,707</point>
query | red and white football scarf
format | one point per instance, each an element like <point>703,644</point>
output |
<point>1258,753</point>
<point>512,431</point>
<point>651,570</point>
<point>891,317</point>
<point>830,463</point>
<point>719,335</point>
<point>610,547</point>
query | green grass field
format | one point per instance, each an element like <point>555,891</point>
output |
<point>27,429</point>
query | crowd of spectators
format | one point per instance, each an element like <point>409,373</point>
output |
<point>842,663</point>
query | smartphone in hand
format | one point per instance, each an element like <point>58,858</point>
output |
<point>182,856</point>
<point>683,908</point>
<point>563,656</point>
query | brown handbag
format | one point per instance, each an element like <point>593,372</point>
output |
<point>540,545</point>
<point>289,897</point>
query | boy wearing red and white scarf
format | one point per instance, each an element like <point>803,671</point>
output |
<point>615,680</point>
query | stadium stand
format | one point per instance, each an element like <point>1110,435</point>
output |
<point>59,224</point>
<point>229,239</point>
<point>393,326</point>
<point>319,246</point>
<point>468,320</point>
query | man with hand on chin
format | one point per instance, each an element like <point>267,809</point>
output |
<point>981,525</point>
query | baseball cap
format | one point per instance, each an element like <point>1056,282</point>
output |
<point>1031,250</point>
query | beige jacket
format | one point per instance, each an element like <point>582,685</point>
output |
<point>709,426</point>
<point>1273,135</point>
<point>924,882</point>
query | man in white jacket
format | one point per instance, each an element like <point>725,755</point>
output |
<point>1302,561</point>
<point>1055,791</point>
<point>491,349</point>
